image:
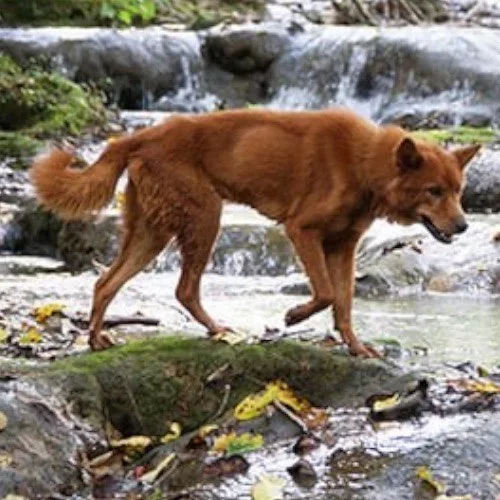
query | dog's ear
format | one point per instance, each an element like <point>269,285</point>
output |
<point>408,157</point>
<point>465,154</point>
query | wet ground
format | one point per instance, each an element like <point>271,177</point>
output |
<point>430,333</point>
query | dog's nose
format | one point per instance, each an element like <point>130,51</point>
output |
<point>461,226</point>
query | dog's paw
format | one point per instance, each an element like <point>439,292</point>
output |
<point>295,315</point>
<point>364,350</point>
<point>100,342</point>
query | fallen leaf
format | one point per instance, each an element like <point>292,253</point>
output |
<point>3,421</point>
<point>4,335</point>
<point>175,432</point>
<point>384,404</point>
<point>151,476</point>
<point>232,443</point>
<point>231,338</point>
<point>470,385</point>
<point>244,443</point>
<point>107,464</point>
<point>255,404</point>
<point>42,313</point>
<point>11,496</point>
<point>268,488</point>
<point>227,466</point>
<point>132,445</point>
<point>32,336</point>
<point>426,476</point>
<point>315,418</point>
<point>5,460</point>
<point>206,430</point>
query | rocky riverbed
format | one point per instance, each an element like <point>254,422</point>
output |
<point>432,309</point>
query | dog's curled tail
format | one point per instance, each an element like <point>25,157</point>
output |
<point>73,193</point>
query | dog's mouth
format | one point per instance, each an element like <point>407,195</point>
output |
<point>440,235</point>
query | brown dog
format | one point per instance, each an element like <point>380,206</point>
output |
<point>325,175</point>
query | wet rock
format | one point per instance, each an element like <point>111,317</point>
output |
<point>141,64</point>
<point>413,261</point>
<point>79,244</point>
<point>391,73</point>
<point>246,49</point>
<point>303,473</point>
<point>14,185</point>
<point>43,440</point>
<point>23,264</point>
<point>482,191</point>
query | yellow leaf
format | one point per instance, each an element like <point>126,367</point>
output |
<point>41,313</point>
<point>231,338</point>
<point>3,421</point>
<point>289,398</point>
<point>175,432</point>
<point>425,475</point>
<point>255,404</point>
<point>150,477</point>
<point>4,335</point>
<point>268,488</point>
<point>133,444</point>
<point>221,442</point>
<point>206,430</point>
<point>5,460</point>
<point>238,444</point>
<point>32,336</point>
<point>384,404</point>
<point>469,385</point>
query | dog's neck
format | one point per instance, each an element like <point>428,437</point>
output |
<point>378,181</point>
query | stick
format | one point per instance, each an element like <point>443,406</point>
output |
<point>294,418</point>
<point>223,403</point>
<point>119,320</point>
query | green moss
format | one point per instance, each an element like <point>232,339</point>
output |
<point>460,135</point>
<point>143,385</point>
<point>38,104</point>
<point>19,146</point>
<point>198,14</point>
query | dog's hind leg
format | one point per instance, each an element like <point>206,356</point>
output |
<point>140,244</point>
<point>196,241</point>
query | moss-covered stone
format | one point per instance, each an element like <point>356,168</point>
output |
<point>38,104</point>
<point>460,135</point>
<point>143,385</point>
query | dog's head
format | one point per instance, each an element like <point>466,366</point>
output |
<point>429,186</point>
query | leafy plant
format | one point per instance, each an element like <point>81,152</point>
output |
<point>125,11</point>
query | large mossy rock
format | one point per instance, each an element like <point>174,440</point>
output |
<point>37,105</point>
<point>144,385</point>
<point>55,412</point>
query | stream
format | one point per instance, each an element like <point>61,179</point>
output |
<point>430,308</point>
<point>428,332</point>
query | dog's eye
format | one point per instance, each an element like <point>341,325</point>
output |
<point>436,191</point>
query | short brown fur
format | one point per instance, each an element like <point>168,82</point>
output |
<point>325,175</point>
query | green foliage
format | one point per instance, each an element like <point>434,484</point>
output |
<point>196,14</point>
<point>125,11</point>
<point>38,104</point>
<point>460,135</point>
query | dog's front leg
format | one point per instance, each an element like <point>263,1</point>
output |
<point>340,260</point>
<point>309,248</point>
